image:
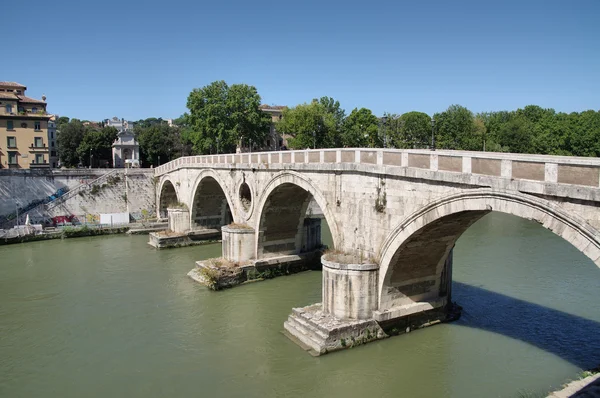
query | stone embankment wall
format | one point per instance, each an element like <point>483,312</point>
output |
<point>90,193</point>
<point>21,187</point>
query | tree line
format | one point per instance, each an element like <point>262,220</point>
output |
<point>223,117</point>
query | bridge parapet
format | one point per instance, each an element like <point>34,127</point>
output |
<point>538,168</point>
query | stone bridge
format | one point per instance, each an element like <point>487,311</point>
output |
<point>394,216</point>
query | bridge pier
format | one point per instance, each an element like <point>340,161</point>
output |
<point>349,314</point>
<point>238,243</point>
<point>345,317</point>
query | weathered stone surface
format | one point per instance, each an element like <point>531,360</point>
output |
<point>403,208</point>
<point>320,333</point>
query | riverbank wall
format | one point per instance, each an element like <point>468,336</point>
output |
<point>64,233</point>
<point>82,193</point>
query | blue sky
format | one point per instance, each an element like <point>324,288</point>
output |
<point>95,60</point>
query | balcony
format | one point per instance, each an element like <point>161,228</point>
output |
<point>37,148</point>
<point>25,114</point>
<point>35,165</point>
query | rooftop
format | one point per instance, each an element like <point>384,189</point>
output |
<point>272,107</point>
<point>30,100</point>
<point>12,84</point>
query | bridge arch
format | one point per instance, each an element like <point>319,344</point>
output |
<point>414,256</point>
<point>296,190</point>
<point>167,196</point>
<point>210,203</point>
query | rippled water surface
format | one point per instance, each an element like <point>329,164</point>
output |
<point>110,316</point>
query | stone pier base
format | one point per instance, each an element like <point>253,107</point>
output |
<point>167,240</point>
<point>320,333</point>
<point>219,276</point>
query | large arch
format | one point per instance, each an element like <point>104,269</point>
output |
<point>167,196</point>
<point>210,205</point>
<point>295,191</point>
<point>415,256</point>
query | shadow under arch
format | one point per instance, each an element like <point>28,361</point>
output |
<point>167,196</point>
<point>414,256</point>
<point>300,189</point>
<point>210,204</point>
<point>548,329</point>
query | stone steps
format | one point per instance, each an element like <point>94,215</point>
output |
<point>303,336</point>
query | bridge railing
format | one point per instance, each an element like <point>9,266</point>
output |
<point>542,168</point>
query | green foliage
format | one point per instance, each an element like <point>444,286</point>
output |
<point>310,126</point>
<point>360,129</point>
<point>160,140</point>
<point>454,129</point>
<point>222,116</point>
<point>70,136</point>
<point>411,130</point>
<point>97,143</point>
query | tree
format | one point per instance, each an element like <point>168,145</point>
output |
<point>70,136</point>
<point>414,130</point>
<point>223,116</point>
<point>454,129</point>
<point>360,129</point>
<point>333,107</point>
<point>97,143</point>
<point>585,133</point>
<point>161,141</point>
<point>514,135</point>
<point>310,126</point>
<point>62,120</point>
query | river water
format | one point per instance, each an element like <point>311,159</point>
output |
<point>112,317</point>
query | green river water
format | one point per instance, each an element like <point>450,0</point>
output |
<point>112,317</point>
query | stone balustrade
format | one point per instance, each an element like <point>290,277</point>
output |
<point>541,168</point>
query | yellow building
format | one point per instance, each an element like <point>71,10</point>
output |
<point>23,129</point>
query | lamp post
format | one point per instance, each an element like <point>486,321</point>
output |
<point>91,158</point>
<point>217,145</point>
<point>432,134</point>
<point>314,139</point>
<point>159,160</point>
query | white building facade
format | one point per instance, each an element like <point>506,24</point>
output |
<point>125,149</point>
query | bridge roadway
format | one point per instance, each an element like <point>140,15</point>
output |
<point>395,215</point>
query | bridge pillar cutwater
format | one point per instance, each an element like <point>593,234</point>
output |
<point>349,290</point>
<point>345,318</point>
<point>179,219</point>
<point>238,243</point>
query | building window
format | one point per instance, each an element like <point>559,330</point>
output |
<point>53,153</point>
<point>39,158</point>
<point>34,110</point>
<point>10,125</point>
<point>9,108</point>
<point>39,142</point>
<point>11,142</point>
<point>12,158</point>
<point>37,126</point>
<point>52,144</point>
<point>18,91</point>
<point>52,134</point>
<point>24,125</point>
